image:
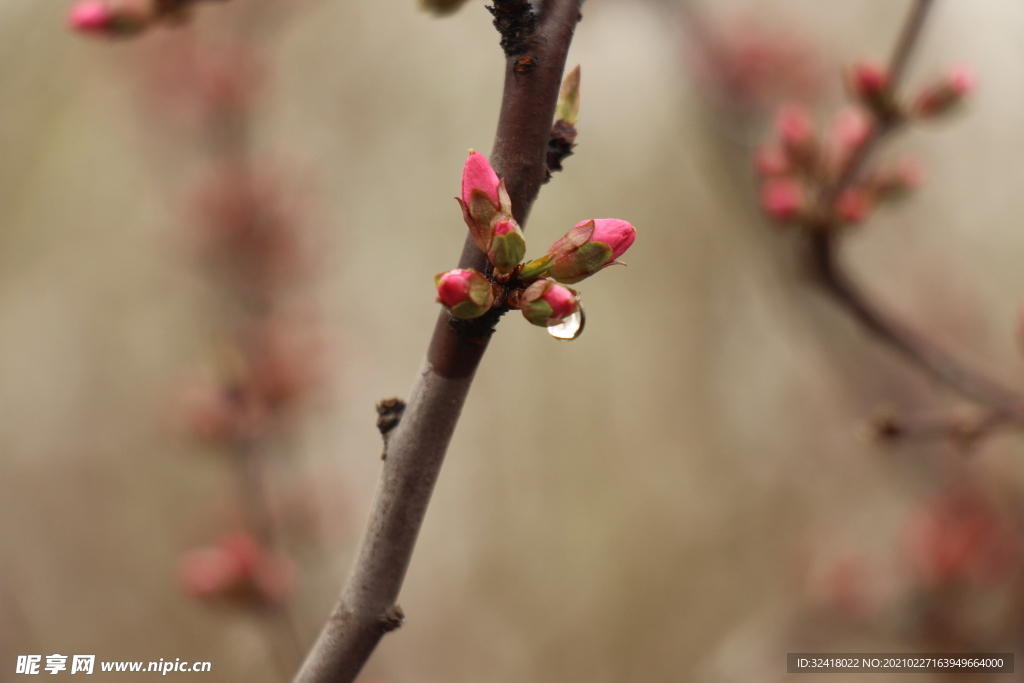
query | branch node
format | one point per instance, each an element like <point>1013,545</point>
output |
<point>525,64</point>
<point>560,146</point>
<point>389,414</point>
<point>478,328</point>
<point>516,22</point>
<point>392,619</point>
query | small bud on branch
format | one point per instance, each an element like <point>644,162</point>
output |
<point>568,108</point>
<point>589,247</point>
<point>946,94</point>
<point>464,292</point>
<point>546,303</point>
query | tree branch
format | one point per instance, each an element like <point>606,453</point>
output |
<point>915,347</point>
<point>417,446</point>
<point>897,68</point>
<point>959,428</point>
<point>834,281</point>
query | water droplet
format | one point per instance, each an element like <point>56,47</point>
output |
<point>570,327</point>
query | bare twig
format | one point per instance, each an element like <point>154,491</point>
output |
<point>908,40</point>
<point>416,447</point>
<point>915,347</point>
<point>957,427</point>
<point>830,275</point>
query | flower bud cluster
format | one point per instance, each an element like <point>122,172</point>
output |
<point>487,210</point>
<point>813,180</point>
<point>248,221</point>
<point>537,287</point>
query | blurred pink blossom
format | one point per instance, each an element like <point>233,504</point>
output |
<point>959,536</point>
<point>237,568</point>
<point>756,66</point>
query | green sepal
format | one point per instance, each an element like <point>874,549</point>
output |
<point>581,264</point>
<point>537,267</point>
<point>481,208</point>
<point>467,310</point>
<point>504,201</point>
<point>576,237</point>
<point>480,215</point>
<point>538,312</point>
<point>507,251</point>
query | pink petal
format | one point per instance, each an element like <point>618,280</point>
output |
<point>453,287</point>
<point>477,173</point>
<point>89,15</point>
<point>619,235</point>
<point>504,227</point>
<point>782,198</point>
<point>962,80</point>
<point>561,300</point>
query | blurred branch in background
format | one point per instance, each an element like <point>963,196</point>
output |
<point>251,240</point>
<point>825,187</point>
<point>953,581</point>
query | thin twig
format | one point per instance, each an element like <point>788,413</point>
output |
<point>908,41</point>
<point>833,279</point>
<point>416,448</point>
<point>897,68</point>
<point>959,428</point>
<point>914,346</point>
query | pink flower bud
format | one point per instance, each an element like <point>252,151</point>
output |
<point>850,131</point>
<point>97,18</point>
<point>795,127</point>
<point>852,127</point>
<point>619,235</point>
<point>960,537</point>
<point>589,247</point>
<point>771,160</point>
<point>487,210</point>
<point>477,174</point>
<point>853,205</point>
<point>90,16</point>
<point>868,81</point>
<point>505,227</point>
<point>237,568</point>
<point>464,292</point>
<point>897,182</point>
<point>945,95</point>
<point>547,303</point>
<point>782,199</point>
<point>962,80</point>
<point>507,248</point>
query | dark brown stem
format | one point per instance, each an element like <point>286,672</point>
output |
<point>416,448</point>
<point>907,41</point>
<point>830,275</point>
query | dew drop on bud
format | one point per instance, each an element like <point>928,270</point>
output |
<point>570,327</point>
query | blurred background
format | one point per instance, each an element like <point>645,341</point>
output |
<point>683,493</point>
